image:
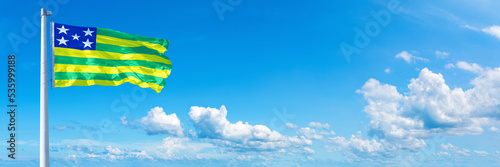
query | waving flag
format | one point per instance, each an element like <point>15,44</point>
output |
<point>85,56</point>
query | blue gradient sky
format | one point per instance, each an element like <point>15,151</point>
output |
<point>268,63</point>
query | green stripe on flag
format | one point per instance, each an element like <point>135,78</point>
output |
<point>59,59</point>
<point>128,50</point>
<point>121,35</point>
<point>111,77</point>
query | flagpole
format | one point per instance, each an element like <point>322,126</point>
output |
<point>44,123</point>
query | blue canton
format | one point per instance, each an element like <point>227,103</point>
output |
<point>67,36</point>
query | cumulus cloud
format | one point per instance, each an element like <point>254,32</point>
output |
<point>140,154</point>
<point>157,122</point>
<point>431,107</point>
<point>213,125</point>
<point>72,158</point>
<point>494,129</point>
<point>409,57</point>
<point>114,154</point>
<point>84,149</point>
<point>172,145</point>
<point>313,134</point>
<point>109,153</point>
<point>113,151</point>
<point>493,30</point>
<point>170,148</point>
<point>472,67</point>
<point>387,70</point>
<point>63,127</point>
<point>481,153</point>
<point>441,54</point>
<point>457,150</point>
<point>319,125</point>
<point>449,65</point>
<point>124,120</point>
<point>305,151</point>
<point>357,145</point>
<point>291,126</point>
<point>180,147</point>
<point>308,150</point>
<point>127,122</point>
<point>443,154</point>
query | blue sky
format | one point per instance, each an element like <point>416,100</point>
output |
<point>421,86</point>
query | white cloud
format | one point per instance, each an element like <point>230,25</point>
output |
<point>291,126</point>
<point>494,129</point>
<point>83,148</point>
<point>308,150</point>
<point>463,152</point>
<point>180,147</point>
<point>409,57</point>
<point>357,145</point>
<point>361,147</point>
<point>387,70</point>
<point>443,154</point>
<point>72,158</point>
<point>449,65</point>
<point>430,107</point>
<point>124,120</point>
<point>313,134</point>
<point>63,127</point>
<point>172,145</point>
<point>245,157</point>
<point>441,54</point>
<point>114,151</point>
<point>327,133</point>
<point>141,155</point>
<point>319,125</point>
<point>157,122</point>
<point>170,148</point>
<point>92,155</point>
<point>471,27</point>
<point>192,134</point>
<point>481,153</point>
<point>475,68</point>
<point>305,150</point>
<point>213,125</point>
<point>113,154</point>
<point>457,150</point>
<point>493,30</point>
<point>448,146</point>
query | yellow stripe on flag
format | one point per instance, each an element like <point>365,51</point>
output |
<point>111,70</point>
<point>108,55</point>
<point>128,43</point>
<point>135,81</point>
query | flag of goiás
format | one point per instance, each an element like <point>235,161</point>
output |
<point>85,56</point>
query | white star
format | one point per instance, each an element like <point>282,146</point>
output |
<point>76,37</point>
<point>62,41</point>
<point>87,43</point>
<point>63,30</point>
<point>88,32</point>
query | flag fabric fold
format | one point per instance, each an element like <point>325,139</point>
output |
<point>85,56</point>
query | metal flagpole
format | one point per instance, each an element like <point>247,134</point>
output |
<point>44,120</point>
